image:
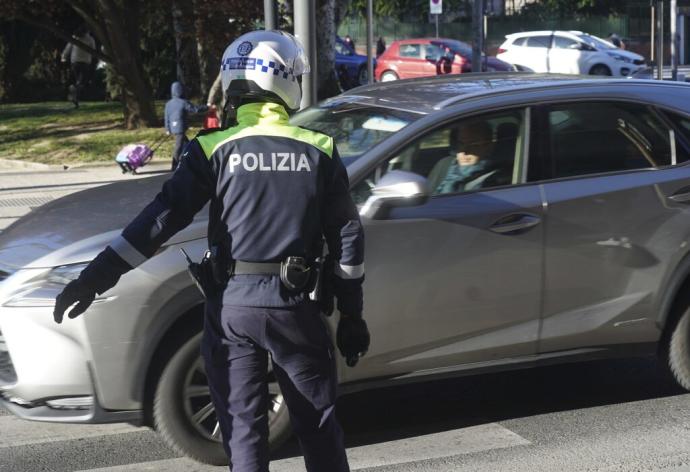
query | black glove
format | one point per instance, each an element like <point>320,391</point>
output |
<point>75,292</point>
<point>100,275</point>
<point>352,338</point>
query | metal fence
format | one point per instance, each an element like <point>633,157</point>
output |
<point>634,26</point>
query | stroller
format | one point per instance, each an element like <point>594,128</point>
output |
<point>133,156</point>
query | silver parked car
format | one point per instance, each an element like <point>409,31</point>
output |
<point>572,244</point>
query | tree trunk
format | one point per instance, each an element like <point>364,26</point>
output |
<point>17,45</point>
<point>203,69</point>
<point>124,44</point>
<point>327,84</point>
<point>186,46</point>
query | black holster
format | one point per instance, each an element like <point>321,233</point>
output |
<point>209,275</point>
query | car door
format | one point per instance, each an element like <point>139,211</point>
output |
<point>457,280</point>
<point>411,61</point>
<point>344,56</point>
<point>616,220</point>
<point>565,55</point>
<point>535,54</point>
<point>432,56</point>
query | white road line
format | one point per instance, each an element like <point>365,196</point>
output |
<point>17,432</point>
<point>431,446</point>
<point>167,465</point>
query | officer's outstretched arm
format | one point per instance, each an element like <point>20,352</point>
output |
<point>345,239</point>
<point>181,197</point>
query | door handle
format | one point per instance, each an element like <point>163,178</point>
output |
<point>515,222</point>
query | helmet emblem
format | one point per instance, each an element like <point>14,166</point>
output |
<point>244,48</point>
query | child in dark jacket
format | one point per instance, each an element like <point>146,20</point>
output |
<point>176,110</point>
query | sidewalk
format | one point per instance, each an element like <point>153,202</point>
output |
<point>23,188</point>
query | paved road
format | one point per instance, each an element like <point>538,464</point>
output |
<point>613,416</point>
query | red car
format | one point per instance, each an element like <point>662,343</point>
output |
<point>409,58</point>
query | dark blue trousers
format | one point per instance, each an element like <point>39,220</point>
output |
<point>181,141</point>
<point>236,344</point>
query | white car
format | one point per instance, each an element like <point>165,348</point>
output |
<point>568,52</point>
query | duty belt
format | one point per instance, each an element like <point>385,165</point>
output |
<point>254,268</point>
<point>295,273</point>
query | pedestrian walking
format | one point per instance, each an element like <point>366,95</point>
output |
<point>177,121</point>
<point>80,63</point>
<point>349,41</point>
<point>216,99</point>
<point>277,192</point>
<point>380,46</point>
<point>616,40</point>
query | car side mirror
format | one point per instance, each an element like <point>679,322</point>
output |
<point>431,58</point>
<point>398,188</point>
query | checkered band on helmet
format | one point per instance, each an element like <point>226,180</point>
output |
<point>271,60</point>
<point>278,69</point>
<point>266,66</point>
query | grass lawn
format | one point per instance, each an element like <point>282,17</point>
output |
<point>57,133</point>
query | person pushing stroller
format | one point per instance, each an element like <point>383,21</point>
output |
<point>176,123</point>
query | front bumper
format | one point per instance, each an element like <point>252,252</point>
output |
<point>91,413</point>
<point>44,371</point>
<point>628,69</point>
<point>42,361</point>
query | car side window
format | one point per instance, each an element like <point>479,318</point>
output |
<point>433,52</point>
<point>410,50</point>
<point>538,42</point>
<point>520,41</point>
<point>590,138</point>
<point>340,48</point>
<point>682,135</point>
<point>470,154</point>
<point>561,42</point>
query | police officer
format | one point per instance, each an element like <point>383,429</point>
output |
<point>276,190</point>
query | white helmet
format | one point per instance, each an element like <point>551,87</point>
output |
<point>265,64</point>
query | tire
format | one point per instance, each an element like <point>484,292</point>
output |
<point>362,76</point>
<point>600,69</point>
<point>678,355</point>
<point>173,411</point>
<point>389,76</point>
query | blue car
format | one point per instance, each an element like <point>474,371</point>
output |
<point>351,67</point>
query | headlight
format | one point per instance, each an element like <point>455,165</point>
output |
<point>41,290</point>
<point>618,57</point>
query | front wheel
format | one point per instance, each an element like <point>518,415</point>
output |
<point>362,76</point>
<point>678,355</point>
<point>600,69</point>
<point>185,417</point>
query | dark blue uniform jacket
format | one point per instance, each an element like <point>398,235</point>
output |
<point>275,189</point>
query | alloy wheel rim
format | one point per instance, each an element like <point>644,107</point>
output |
<point>198,407</point>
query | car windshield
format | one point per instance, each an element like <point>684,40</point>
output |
<point>459,47</point>
<point>355,127</point>
<point>595,42</point>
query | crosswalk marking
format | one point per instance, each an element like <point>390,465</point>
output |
<point>419,448</point>
<point>431,446</point>
<point>17,432</point>
<point>168,465</point>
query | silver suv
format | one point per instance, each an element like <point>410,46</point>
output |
<point>571,244</point>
